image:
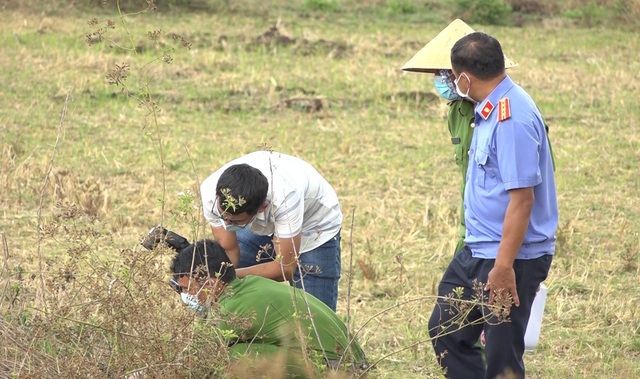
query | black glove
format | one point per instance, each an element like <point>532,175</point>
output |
<point>158,234</point>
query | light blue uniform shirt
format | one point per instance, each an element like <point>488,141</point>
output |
<point>505,155</point>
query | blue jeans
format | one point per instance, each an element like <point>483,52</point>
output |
<point>318,270</point>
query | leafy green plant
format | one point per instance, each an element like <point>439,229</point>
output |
<point>321,5</point>
<point>484,12</point>
<point>230,203</point>
<point>589,15</point>
<point>401,6</point>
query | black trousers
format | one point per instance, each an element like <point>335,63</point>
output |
<point>454,334</point>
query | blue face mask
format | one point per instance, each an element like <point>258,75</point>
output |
<point>445,86</point>
<point>228,225</point>
<point>232,227</point>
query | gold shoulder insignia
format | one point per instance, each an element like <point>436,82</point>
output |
<point>504,109</point>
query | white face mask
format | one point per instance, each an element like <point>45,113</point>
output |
<point>191,301</point>
<point>464,95</point>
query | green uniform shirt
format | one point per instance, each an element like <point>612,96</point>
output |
<point>460,120</point>
<point>461,123</point>
<point>261,312</point>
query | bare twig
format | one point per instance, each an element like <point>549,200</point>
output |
<point>153,111</point>
<point>5,250</point>
<point>195,173</point>
<point>27,353</point>
<point>5,265</point>
<point>63,115</point>
<point>353,216</point>
<point>126,28</point>
<point>429,339</point>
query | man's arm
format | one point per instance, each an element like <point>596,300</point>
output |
<point>514,228</point>
<point>285,264</point>
<point>229,243</point>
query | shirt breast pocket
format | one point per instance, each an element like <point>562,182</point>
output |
<point>487,177</point>
<point>459,153</point>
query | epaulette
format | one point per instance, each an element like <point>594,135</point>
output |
<point>504,109</point>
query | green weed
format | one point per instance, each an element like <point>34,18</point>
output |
<point>401,6</point>
<point>321,5</point>
<point>484,12</point>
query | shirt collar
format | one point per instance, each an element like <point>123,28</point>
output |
<point>498,93</point>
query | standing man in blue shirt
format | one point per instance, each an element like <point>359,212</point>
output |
<point>511,214</point>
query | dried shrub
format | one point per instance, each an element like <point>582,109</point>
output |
<point>485,12</point>
<point>102,314</point>
<point>88,192</point>
<point>534,7</point>
<point>18,356</point>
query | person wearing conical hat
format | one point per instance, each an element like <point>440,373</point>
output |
<point>511,216</point>
<point>434,58</point>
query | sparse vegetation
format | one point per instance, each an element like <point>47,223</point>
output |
<point>82,298</point>
<point>487,12</point>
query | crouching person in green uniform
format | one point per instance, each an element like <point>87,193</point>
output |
<point>264,317</point>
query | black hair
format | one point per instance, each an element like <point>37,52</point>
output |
<point>206,258</point>
<point>242,188</point>
<point>479,54</point>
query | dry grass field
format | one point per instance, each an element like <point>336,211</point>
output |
<point>91,159</point>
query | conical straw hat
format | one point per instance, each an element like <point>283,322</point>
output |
<point>435,55</point>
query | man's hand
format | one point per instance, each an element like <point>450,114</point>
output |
<point>283,268</point>
<point>514,228</point>
<point>229,243</point>
<point>502,277</point>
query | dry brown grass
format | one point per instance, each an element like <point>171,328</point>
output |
<point>387,154</point>
<point>20,355</point>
